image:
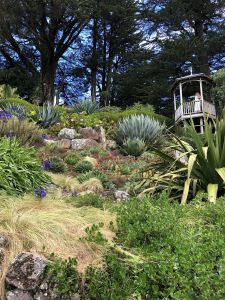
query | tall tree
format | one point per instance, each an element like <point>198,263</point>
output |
<point>44,28</point>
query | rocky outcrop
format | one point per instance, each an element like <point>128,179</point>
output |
<point>18,295</point>
<point>67,133</point>
<point>80,144</point>
<point>26,271</point>
<point>97,133</point>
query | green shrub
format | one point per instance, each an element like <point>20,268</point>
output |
<point>72,159</point>
<point>134,147</point>
<point>138,128</point>
<point>90,199</point>
<point>62,274</point>
<point>30,108</point>
<point>20,171</point>
<point>57,164</point>
<point>87,106</point>
<point>6,91</point>
<point>48,115</point>
<point>83,166</point>
<point>93,174</point>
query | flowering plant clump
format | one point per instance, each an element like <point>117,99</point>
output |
<point>5,116</point>
<point>44,136</point>
<point>46,165</point>
<point>74,194</point>
<point>40,192</point>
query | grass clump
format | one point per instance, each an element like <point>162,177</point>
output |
<point>57,164</point>
<point>83,166</point>
<point>72,159</point>
<point>90,199</point>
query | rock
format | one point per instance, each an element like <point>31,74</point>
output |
<point>89,133</point>
<point>80,144</point>
<point>41,296</point>
<point>4,242</point>
<point>121,195</point>
<point>18,295</point>
<point>67,133</point>
<point>101,136</point>
<point>26,271</point>
<point>64,144</point>
<point>111,144</point>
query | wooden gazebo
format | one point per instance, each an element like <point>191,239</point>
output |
<point>192,99</point>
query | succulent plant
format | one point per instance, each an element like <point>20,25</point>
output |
<point>134,147</point>
<point>83,166</point>
<point>48,115</point>
<point>87,106</point>
<point>93,174</point>
<point>139,127</point>
<point>57,164</point>
<point>72,159</point>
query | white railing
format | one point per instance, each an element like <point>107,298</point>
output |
<point>195,107</point>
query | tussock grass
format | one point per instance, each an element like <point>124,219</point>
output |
<point>50,225</point>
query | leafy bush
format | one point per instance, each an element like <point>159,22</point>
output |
<point>90,199</point>
<point>93,174</point>
<point>83,166</point>
<point>87,106</point>
<point>62,274</point>
<point>27,133</point>
<point>72,159</point>
<point>20,170</point>
<point>134,147</point>
<point>48,115</point>
<point>200,164</point>
<point>57,164</point>
<point>139,127</point>
<point>6,91</point>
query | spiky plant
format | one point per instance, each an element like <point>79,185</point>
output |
<point>134,147</point>
<point>199,166</point>
<point>87,106</point>
<point>139,127</point>
<point>93,174</point>
<point>48,115</point>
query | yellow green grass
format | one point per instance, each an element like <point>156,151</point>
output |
<point>51,225</point>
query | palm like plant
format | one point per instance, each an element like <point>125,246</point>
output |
<point>48,115</point>
<point>200,164</point>
<point>87,106</point>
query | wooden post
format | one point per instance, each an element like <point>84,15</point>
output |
<point>181,99</point>
<point>201,126</point>
<point>174,101</point>
<point>201,92</point>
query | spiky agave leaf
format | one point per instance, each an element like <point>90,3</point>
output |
<point>87,106</point>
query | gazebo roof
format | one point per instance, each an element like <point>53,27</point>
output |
<point>192,77</point>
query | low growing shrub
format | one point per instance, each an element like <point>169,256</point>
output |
<point>90,199</point>
<point>57,164</point>
<point>72,159</point>
<point>83,166</point>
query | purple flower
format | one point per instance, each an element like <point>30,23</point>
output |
<point>74,194</point>
<point>5,116</point>
<point>40,193</point>
<point>46,165</point>
<point>44,136</point>
<point>9,134</point>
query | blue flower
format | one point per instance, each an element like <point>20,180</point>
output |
<point>44,136</point>
<point>5,116</point>
<point>74,194</point>
<point>40,193</point>
<point>46,165</point>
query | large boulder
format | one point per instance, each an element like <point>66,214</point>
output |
<point>18,295</point>
<point>89,133</point>
<point>26,271</point>
<point>101,136</point>
<point>67,133</point>
<point>81,144</point>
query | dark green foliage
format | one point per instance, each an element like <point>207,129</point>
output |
<point>83,166</point>
<point>72,159</point>
<point>20,171</point>
<point>94,235</point>
<point>134,147</point>
<point>86,107</point>
<point>57,164</point>
<point>88,200</point>
<point>62,274</point>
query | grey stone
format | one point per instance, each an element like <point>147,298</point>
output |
<point>4,242</point>
<point>89,133</point>
<point>18,295</point>
<point>80,144</point>
<point>101,136</point>
<point>41,296</point>
<point>26,271</point>
<point>111,144</point>
<point>67,133</point>
<point>121,195</point>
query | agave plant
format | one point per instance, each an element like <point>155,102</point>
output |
<point>199,165</point>
<point>87,106</point>
<point>48,115</point>
<point>134,147</point>
<point>139,127</point>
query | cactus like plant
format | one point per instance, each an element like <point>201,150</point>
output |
<point>87,106</point>
<point>139,127</point>
<point>48,115</point>
<point>134,147</point>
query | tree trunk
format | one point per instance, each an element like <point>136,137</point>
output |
<point>48,73</point>
<point>94,60</point>
<point>202,51</point>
